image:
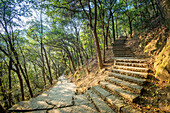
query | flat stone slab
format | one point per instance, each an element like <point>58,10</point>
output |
<point>30,105</point>
<point>129,109</point>
<point>99,90</point>
<point>81,100</point>
<point>116,102</point>
<point>39,111</point>
<point>76,109</point>
<point>99,103</point>
<point>60,95</point>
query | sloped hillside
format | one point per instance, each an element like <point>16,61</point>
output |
<point>154,44</point>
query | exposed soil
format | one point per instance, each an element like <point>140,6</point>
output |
<point>84,81</point>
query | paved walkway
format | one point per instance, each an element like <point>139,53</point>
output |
<point>59,99</point>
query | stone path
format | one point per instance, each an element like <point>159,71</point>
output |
<point>59,99</point>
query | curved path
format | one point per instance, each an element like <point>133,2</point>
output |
<point>59,99</point>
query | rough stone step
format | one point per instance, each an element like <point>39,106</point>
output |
<point>129,78</point>
<point>100,91</point>
<point>129,109</point>
<point>116,50</point>
<point>114,100</point>
<point>124,55</point>
<point>132,64</point>
<point>131,73</point>
<point>99,103</point>
<point>134,88</point>
<point>119,46</point>
<point>139,69</point>
<point>119,106</point>
<point>118,90</point>
<point>130,60</point>
<point>121,50</point>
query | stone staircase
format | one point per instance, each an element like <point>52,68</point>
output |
<point>124,84</point>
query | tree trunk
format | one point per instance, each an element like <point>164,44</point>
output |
<point>3,93</point>
<point>113,28</point>
<point>159,9</point>
<point>71,59</point>
<point>10,86</point>
<point>2,109</point>
<point>21,81</point>
<point>104,37</point>
<point>130,26</point>
<point>58,67</point>
<point>153,6</point>
<point>25,74</point>
<point>55,68</point>
<point>93,30</point>
<point>67,65</point>
<point>95,38</point>
<point>41,34</point>
<point>116,29</point>
<point>107,32</point>
<point>49,69</point>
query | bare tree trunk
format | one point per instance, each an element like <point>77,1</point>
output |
<point>2,109</point>
<point>93,29</point>
<point>96,41</point>
<point>41,34</point>
<point>10,86</point>
<point>55,68</point>
<point>21,81</point>
<point>130,26</point>
<point>113,28</point>
<point>116,29</point>
<point>67,65</point>
<point>71,59</point>
<point>48,64</point>
<point>3,92</point>
<point>25,74</point>
<point>104,37</point>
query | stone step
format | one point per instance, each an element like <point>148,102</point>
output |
<point>134,88</point>
<point>99,103</point>
<point>124,55</point>
<point>130,60</point>
<point>100,91</point>
<point>129,78</point>
<point>132,64</point>
<point>118,90</point>
<point>131,73</point>
<point>114,100</point>
<point>138,69</point>
<point>129,109</point>
<point>121,50</point>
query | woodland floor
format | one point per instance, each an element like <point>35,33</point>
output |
<point>156,98</point>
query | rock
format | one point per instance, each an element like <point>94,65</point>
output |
<point>39,111</point>
<point>31,105</point>
<point>162,74</point>
<point>168,66</point>
<point>75,109</point>
<point>81,100</point>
